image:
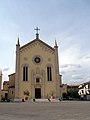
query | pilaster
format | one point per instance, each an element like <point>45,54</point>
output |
<point>17,70</point>
<point>57,71</point>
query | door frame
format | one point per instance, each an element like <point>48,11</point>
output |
<point>38,91</point>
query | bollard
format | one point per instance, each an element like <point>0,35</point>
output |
<point>33,99</point>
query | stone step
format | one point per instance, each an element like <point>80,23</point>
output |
<point>44,100</point>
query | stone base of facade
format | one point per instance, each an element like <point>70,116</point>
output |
<point>17,100</point>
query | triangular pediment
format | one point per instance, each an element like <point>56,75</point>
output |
<point>38,42</point>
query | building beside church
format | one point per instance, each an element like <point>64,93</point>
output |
<point>84,91</point>
<point>37,70</point>
<point>11,89</point>
<point>8,90</point>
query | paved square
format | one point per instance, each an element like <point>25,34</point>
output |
<point>65,110</point>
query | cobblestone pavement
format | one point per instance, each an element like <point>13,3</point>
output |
<point>65,110</point>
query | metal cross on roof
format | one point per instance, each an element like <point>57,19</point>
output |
<point>37,29</point>
<point>37,35</point>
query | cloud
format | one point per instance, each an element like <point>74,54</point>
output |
<point>75,65</point>
<point>71,28</point>
<point>77,76</point>
<point>63,72</point>
<point>74,60</point>
<point>5,69</point>
<point>74,71</point>
<point>88,78</point>
<point>88,57</point>
<point>64,66</point>
<point>71,65</point>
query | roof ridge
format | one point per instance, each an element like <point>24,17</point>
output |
<point>34,41</point>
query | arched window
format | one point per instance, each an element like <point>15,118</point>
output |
<point>49,73</point>
<point>25,73</point>
<point>37,80</point>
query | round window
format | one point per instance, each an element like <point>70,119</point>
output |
<point>37,60</point>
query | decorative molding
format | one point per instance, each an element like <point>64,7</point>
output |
<point>49,65</point>
<point>37,70</point>
<point>25,58</point>
<point>37,43</point>
<point>49,59</point>
<point>33,59</point>
<point>39,74</point>
<point>25,64</point>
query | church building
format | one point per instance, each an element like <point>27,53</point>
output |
<point>37,70</point>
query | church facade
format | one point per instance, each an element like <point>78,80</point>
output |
<point>37,70</point>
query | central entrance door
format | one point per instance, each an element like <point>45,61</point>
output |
<point>38,93</point>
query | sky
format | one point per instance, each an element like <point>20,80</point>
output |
<point>67,21</point>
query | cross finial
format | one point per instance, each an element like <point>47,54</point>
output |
<point>37,29</point>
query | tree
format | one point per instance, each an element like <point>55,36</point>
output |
<point>64,95</point>
<point>73,94</point>
<point>26,92</point>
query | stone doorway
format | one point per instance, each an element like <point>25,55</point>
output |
<point>37,93</point>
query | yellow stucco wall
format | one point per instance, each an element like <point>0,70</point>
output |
<point>47,56</point>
